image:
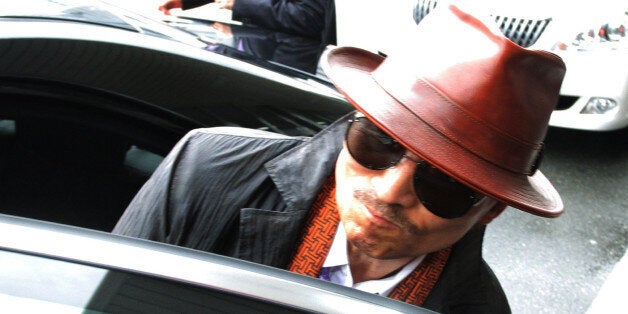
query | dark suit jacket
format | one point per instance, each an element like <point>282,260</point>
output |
<point>315,19</point>
<point>262,45</point>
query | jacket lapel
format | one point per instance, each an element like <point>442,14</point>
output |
<point>300,172</point>
<point>268,237</point>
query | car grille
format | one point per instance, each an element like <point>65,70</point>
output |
<point>422,8</point>
<point>524,32</point>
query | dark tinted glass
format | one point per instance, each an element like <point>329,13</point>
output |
<point>371,147</point>
<point>440,194</point>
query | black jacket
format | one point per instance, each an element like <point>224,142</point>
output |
<point>256,44</point>
<point>245,193</point>
<point>315,19</point>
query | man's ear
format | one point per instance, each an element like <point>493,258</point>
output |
<point>492,213</point>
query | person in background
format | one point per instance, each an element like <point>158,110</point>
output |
<point>315,19</point>
<point>393,199</point>
<point>254,43</point>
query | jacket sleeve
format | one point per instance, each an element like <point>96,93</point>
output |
<point>195,196</point>
<point>148,214</point>
<point>302,17</point>
<point>191,4</point>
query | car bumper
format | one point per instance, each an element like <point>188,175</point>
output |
<point>593,75</point>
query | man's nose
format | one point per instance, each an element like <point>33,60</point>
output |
<point>395,184</point>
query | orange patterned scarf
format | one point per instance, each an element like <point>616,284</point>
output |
<point>318,235</point>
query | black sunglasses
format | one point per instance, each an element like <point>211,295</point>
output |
<point>439,193</point>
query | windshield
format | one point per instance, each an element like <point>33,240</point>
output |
<point>94,12</point>
<point>68,10</point>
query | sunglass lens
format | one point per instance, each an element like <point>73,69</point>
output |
<point>371,147</point>
<point>442,195</point>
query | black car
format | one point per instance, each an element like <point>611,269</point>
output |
<point>93,97</point>
<point>91,100</point>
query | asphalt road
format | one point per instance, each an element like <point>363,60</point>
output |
<point>559,265</point>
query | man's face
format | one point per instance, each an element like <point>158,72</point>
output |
<point>383,216</point>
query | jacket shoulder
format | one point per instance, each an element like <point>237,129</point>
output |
<point>241,132</point>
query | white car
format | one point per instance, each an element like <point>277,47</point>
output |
<point>591,39</point>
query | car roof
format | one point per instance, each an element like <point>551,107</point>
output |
<point>121,53</point>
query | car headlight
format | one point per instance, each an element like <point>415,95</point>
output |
<point>610,36</point>
<point>600,105</point>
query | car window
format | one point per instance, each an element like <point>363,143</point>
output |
<point>70,163</point>
<point>77,156</point>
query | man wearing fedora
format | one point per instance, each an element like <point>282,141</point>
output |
<point>391,200</point>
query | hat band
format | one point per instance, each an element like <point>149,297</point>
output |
<point>452,122</point>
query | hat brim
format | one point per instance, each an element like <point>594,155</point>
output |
<point>350,70</point>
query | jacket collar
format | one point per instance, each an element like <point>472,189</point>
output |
<point>300,172</point>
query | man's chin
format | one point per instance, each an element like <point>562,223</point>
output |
<point>383,250</point>
<point>373,248</point>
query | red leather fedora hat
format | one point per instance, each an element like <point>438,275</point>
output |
<point>467,100</point>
